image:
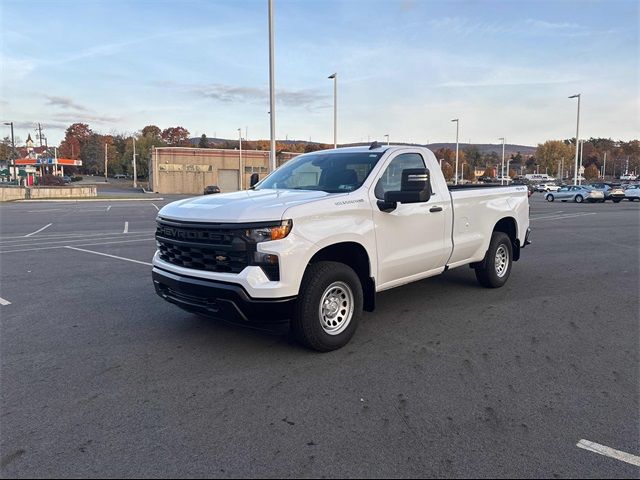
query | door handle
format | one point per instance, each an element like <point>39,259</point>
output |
<point>435,209</point>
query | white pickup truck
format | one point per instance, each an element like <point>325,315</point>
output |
<point>310,245</point>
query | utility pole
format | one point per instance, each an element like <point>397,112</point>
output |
<point>135,170</point>
<point>105,163</point>
<point>604,167</point>
<point>13,151</point>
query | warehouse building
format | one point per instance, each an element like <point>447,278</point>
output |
<point>189,170</point>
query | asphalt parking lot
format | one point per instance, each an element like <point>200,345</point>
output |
<point>100,377</point>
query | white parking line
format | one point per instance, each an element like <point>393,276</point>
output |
<point>568,215</point>
<point>157,208</point>
<point>148,239</point>
<point>609,452</point>
<point>4,302</point>
<point>110,256</point>
<point>38,231</point>
<point>70,240</point>
<point>126,227</point>
<point>46,210</point>
<point>108,208</point>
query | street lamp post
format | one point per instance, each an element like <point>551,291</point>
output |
<point>272,93</point>
<point>457,120</point>
<point>387,135</point>
<point>581,152</point>
<point>335,109</point>
<point>575,172</point>
<point>502,167</point>
<point>13,150</point>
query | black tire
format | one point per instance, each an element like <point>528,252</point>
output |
<point>487,271</point>
<point>307,324</point>
<point>579,199</point>
<point>550,198</point>
<point>617,200</point>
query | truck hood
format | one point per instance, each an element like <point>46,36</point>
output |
<point>239,207</point>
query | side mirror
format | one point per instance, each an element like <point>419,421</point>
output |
<point>415,187</point>
<point>255,178</point>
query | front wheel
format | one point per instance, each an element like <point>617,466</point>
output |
<point>494,270</point>
<point>550,198</point>
<point>579,198</point>
<point>329,306</point>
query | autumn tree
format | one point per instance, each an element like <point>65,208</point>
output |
<point>447,171</point>
<point>176,136</point>
<point>468,173</point>
<point>591,172</point>
<point>551,153</point>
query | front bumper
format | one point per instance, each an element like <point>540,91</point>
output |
<point>220,300</point>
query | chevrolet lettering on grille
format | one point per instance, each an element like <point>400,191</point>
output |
<point>178,233</point>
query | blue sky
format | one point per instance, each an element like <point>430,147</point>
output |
<point>405,68</point>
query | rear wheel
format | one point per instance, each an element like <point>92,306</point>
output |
<point>495,268</point>
<point>329,306</point>
<point>616,200</point>
<point>579,198</point>
<point>550,198</point>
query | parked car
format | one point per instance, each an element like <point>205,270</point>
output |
<point>575,193</point>
<point>209,189</point>
<point>119,176</point>
<point>547,187</point>
<point>632,193</point>
<point>629,177</point>
<point>66,179</point>
<point>613,192</point>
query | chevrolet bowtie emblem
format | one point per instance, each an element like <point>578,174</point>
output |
<point>221,258</point>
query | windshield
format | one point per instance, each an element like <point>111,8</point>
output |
<point>330,172</point>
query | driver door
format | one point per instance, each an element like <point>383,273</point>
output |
<point>410,240</point>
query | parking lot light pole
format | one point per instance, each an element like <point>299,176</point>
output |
<point>457,120</point>
<point>135,170</point>
<point>387,135</point>
<point>581,151</point>
<point>335,109</point>
<point>272,93</point>
<point>502,167</point>
<point>240,159</point>
<point>575,171</point>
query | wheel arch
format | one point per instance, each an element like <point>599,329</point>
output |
<point>355,256</point>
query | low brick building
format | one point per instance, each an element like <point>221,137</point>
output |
<point>189,170</point>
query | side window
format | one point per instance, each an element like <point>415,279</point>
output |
<point>391,179</point>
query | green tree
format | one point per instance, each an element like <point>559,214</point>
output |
<point>152,131</point>
<point>204,142</point>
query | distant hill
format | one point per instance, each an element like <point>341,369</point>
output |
<point>484,148</point>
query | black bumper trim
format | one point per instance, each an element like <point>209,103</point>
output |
<point>229,302</point>
<point>527,238</point>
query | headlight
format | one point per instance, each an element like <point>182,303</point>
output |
<point>266,234</point>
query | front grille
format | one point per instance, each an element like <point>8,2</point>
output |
<point>213,248</point>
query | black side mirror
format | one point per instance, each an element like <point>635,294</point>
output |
<point>255,178</point>
<point>415,187</point>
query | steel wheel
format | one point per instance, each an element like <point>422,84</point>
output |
<point>336,308</point>
<point>501,261</point>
